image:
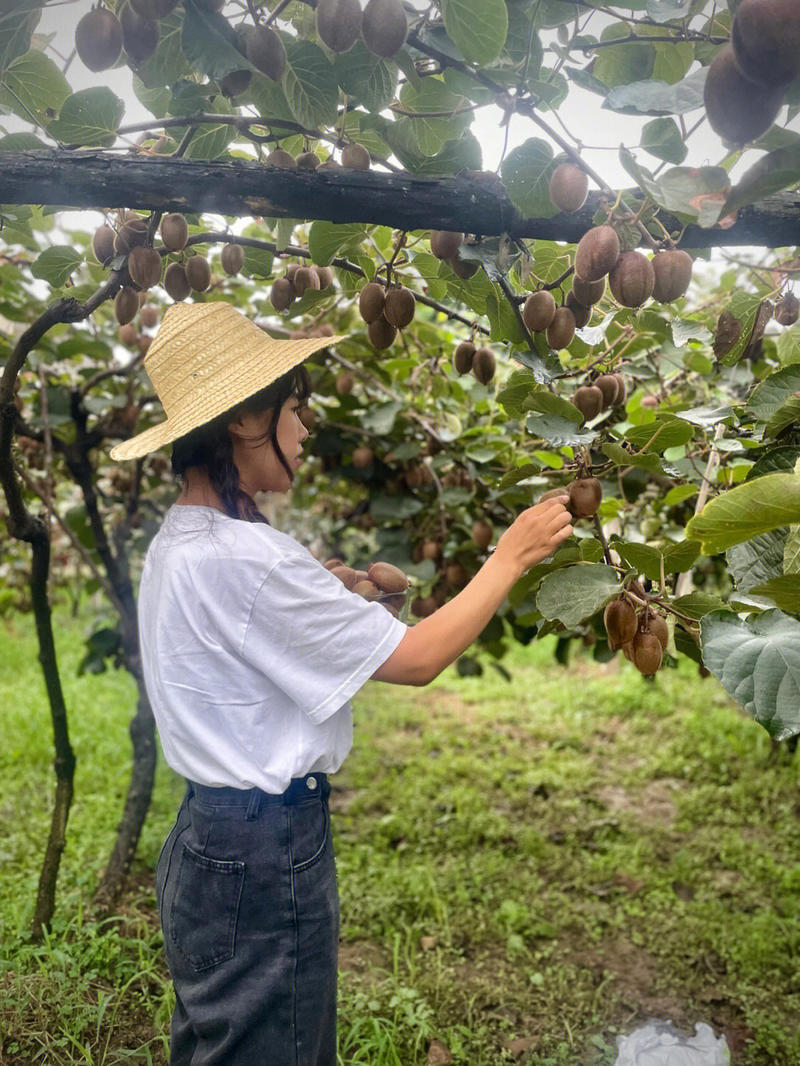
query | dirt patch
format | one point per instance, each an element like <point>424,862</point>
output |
<point>654,802</point>
<point>362,957</point>
<point>631,972</point>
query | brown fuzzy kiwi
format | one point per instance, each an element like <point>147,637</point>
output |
<point>766,40</point>
<point>463,356</point>
<point>551,494</point>
<point>632,279</point>
<point>483,365</point>
<point>589,401</point>
<point>128,334</point>
<point>399,307</point>
<point>650,401</point>
<point>482,533</point>
<point>308,417</point>
<point>424,606</point>
<point>381,333</point>
<point>597,252</point>
<point>139,35</point>
<point>331,563</point>
<point>232,258</point>
<point>174,231</point>
<point>355,157</point>
<point>622,394</point>
<point>264,49</point>
<point>281,294</point>
<point>126,305</point>
<point>445,243</point>
<point>619,619</point>
<point>346,575</point>
<point>739,110</point>
<point>787,309</point>
<point>371,301</point>
<point>153,9</point>
<point>344,383</point>
<point>456,575</point>
<point>387,577</point>
<point>148,316</point>
<point>281,159</point>
<point>646,653</point>
<point>234,83</point>
<point>131,234</point>
<point>144,267</point>
<point>588,293</point>
<point>175,282</point>
<point>384,27</point>
<point>363,457</point>
<point>561,330</point>
<point>430,549</point>
<point>609,386</point>
<point>198,272</point>
<point>325,275</point>
<point>673,273</point>
<point>338,23</point>
<point>569,187</point>
<point>539,310</point>
<point>103,245</point>
<point>305,278</point>
<point>98,39</point>
<point>581,313</point>
<point>464,268</point>
<point>308,161</point>
<point>657,625</point>
<point>585,495</point>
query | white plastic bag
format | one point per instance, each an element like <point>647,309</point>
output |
<point>661,1044</point>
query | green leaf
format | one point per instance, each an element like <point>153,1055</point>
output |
<point>89,117</point>
<point>647,461</point>
<point>775,171</point>
<point>20,142</point>
<point>557,430</point>
<point>547,403</point>
<point>427,135</point>
<point>697,604</point>
<point>310,84</point>
<point>662,138</point>
<point>462,154</point>
<point>786,415</point>
<point>384,508</point>
<point>526,172</point>
<point>646,558</point>
<point>775,460</point>
<point>577,592</point>
<point>784,591</point>
<point>658,97</point>
<point>770,395</point>
<point>516,394</point>
<point>664,10</point>
<point>379,419</point>
<point>18,20</point>
<point>257,263</point>
<point>477,27</point>
<point>33,88</point>
<point>744,306</point>
<point>757,661</point>
<point>666,431</point>
<point>788,346</point>
<point>624,63</point>
<point>207,40</point>
<point>743,512</point>
<point>756,561</point>
<point>56,263</point>
<point>327,239</point>
<point>168,62</point>
<point>366,77</point>
<point>791,551</point>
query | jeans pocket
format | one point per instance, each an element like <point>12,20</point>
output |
<point>310,831</point>
<point>205,908</point>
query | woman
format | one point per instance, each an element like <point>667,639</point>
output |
<point>251,651</point>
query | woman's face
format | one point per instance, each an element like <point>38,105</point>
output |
<point>259,468</point>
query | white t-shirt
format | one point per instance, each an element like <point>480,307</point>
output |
<point>251,651</point>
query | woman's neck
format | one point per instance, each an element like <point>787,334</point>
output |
<point>198,491</point>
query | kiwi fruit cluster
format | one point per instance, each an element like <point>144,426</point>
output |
<point>606,391</point>
<point>383,25</point>
<point>385,310</point>
<point>298,278</point>
<point>541,315</point>
<point>747,80</point>
<point>480,361</point>
<point>641,636</point>
<point>129,335</point>
<point>381,582</point>
<point>445,245</point>
<point>632,277</point>
<point>585,495</point>
<point>101,36</point>
<point>569,187</point>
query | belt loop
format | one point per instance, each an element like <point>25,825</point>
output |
<point>254,805</point>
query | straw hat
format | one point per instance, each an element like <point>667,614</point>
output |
<point>205,359</point>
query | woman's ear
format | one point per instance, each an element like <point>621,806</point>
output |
<point>247,425</point>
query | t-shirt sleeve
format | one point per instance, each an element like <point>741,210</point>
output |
<point>314,638</point>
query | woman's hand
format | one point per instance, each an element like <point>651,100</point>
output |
<point>535,533</point>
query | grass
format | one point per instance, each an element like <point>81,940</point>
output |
<point>527,870</point>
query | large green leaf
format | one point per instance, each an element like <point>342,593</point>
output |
<point>665,432</point>
<point>89,117</point>
<point>647,558</point>
<point>310,84</point>
<point>646,460</point>
<point>791,551</point>
<point>577,592</point>
<point>775,171</point>
<point>477,27</point>
<point>772,394</point>
<point>56,263</point>
<point>662,138</point>
<point>366,77</point>
<point>658,97</point>
<point>784,591</point>
<point>32,87</point>
<point>326,239</point>
<point>557,430</point>
<point>758,560</point>
<point>745,307</point>
<point>18,20</point>
<point>743,512</point>
<point>424,124</point>
<point>526,172</point>
<point>758,662</point>
<point>168,62</point>
<point>623,63</point>
<point>207,40</point>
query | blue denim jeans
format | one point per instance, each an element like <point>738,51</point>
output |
<point>249,907</point>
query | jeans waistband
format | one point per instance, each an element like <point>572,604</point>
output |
<point>300,789</point>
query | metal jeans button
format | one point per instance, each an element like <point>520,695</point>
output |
<point>312,782</point>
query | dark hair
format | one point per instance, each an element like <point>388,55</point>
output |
<point>210,445</point>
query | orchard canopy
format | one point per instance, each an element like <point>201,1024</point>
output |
<point>321,166</point>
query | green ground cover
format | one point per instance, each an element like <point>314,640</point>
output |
<point>527,869</point>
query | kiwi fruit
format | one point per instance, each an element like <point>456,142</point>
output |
<point>597,252</point>
<point>463,268</point>
<point>387,577</point>
<point>144,267</point>
<point>585,495</point>
<point>362,457</point>
<point>331,563</point>
<point>455,575</point>
<point>130,235</point>
<point>235,82</point>
<point>153,9</point>
<point>384,27</point>
<point>103,245</point>
<point>738,109</point>
<point>305,278</point>
<point>338,23</point>
<point>632,279</point>
<point>232,258</point>
<point>307,161</point>
<point>539,310</point>
<point>424,606</point>
<point>588,293</point>
<point>430,549</point>
<point>551,494</point>
<point>174,231</point>
<point>622,393</point>
<point>325,275</point>
<point>581,313</point>
<point>786,309</point>
<point>198,272</point>
<point>128,334</point>
<point>308,417</point>
<point>655,624</point>
<point>619,619</point>
<point>371,301</point>
<point>98,39</point>
<point>608,384</point>
<point>281,159</point>
<point>445,243</point>
<point>482,533</point>
<point>381,333</point>
<point>766,40</point>
<point>264,49</point>
<point>139,35</point>
<point>148,316</point>
<point>561,330</point>
<point>281,294</point>
<point>346,575</point>
<point>589,401</point>
<point>483,365</point>
<point>126,305</point>
<point>650,401</point>
<point>463,356</point>
<point>646,653</point>
<point>673,272</point>
<point>569,187</point>
<point>344,383</point>
<point>175,282</point>
<point>355,157</point>
<point>367,589</point>
<point>399,307</point>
